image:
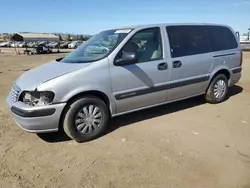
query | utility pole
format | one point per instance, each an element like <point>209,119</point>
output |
<point>248,35</point>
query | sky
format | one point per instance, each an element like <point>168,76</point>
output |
<point>93,16</point>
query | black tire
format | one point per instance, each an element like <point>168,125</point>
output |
<point>210,96</point>
<point>69,126</point>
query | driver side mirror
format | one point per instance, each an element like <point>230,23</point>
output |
<point>128,58</point>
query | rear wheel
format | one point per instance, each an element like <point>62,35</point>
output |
<point>217,90</point>
<point>86,119</point>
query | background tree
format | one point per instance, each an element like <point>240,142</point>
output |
<point>69,37</point>
<point>60,37</point>
<point>85,38</point>
<point>81,38</point>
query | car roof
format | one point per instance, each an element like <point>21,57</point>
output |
<point>168,24</point>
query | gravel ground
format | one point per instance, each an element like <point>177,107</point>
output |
<point>184,144</point>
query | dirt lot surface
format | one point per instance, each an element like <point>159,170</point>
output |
<point>189,144</point>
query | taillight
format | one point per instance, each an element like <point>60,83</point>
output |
<point>241,58</point>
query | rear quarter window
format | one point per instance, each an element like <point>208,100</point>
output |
<point>221,38</point>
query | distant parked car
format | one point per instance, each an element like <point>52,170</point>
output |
<point>31,44</point>
<point>78,44</point>
<point>5,44</point>
<point>64,44</point>
<point>55,45</point>
<point>43,49</point>
<point>14,44</point>
<point>28,44</point>
<point>41,42</point>
<point>21,45</point>
<point>73,44</point>
<point>49,43</point>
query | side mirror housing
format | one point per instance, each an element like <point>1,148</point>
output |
<point>128,58</point>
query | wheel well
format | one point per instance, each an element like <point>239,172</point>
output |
<point>223,71</point>
<point>98,94</point>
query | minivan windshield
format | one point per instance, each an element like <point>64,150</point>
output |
<point>97,47</point>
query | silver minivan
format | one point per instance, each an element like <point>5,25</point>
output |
<point>123,70</point>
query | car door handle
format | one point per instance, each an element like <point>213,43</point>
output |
<point>177,64</point>
<point>162,66</point>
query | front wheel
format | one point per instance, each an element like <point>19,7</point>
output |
<point>86,119</point>
<point>217,90</point>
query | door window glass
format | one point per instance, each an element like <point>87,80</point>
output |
<point>146,44</point>
<point>187,40</point>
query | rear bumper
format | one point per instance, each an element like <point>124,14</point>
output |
<point>37,119</point>
<point>236,76</point>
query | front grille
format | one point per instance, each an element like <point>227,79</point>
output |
<point>15,93</point>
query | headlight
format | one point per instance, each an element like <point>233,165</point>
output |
<point>37,98</point>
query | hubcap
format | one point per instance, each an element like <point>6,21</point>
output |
<point>219,89</point>
<point>88,119</point>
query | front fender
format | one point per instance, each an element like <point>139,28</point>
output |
<point>87,89</point>
<point>91,78</point>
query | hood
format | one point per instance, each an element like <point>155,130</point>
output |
<point>35,77</point>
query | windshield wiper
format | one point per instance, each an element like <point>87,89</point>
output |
<point>59,59</point>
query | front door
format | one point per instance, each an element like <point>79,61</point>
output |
<point>144,83</point>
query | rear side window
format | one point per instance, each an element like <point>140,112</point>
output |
<point>221,38</point>
<point>187,40</point>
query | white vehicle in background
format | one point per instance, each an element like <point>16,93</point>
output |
<point>244,39</point>
<point>64,44</point>
<point>54,45</point>
<point>79,44</point>
<point>13,45</point>
<point>21,45</point>
<point>73,44</point>
<point>4,44</point>
<point>31,44</point>
<point>49,44</point>
<point>41,42</point>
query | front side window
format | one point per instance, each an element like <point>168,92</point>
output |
<point>146,44</point>
<point>187,40</point>
<point>97,47</point>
